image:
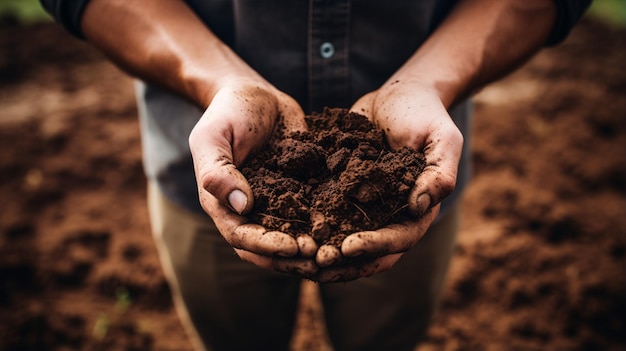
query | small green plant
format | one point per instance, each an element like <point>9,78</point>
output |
<point>104,321</point>
<point>101,327</point>
<point>122,297</point>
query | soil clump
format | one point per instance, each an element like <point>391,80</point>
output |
<point>336,178</point>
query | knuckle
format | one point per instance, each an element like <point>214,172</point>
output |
<point>212,176</point>
<point>440,182</point>
<point>193,137</point>
<point>240,237</point>
<point>446,183</point>
<point>207,178</point>
<point>453,135</point>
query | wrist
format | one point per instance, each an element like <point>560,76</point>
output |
<point>443,88</point>
<point>203,82</point>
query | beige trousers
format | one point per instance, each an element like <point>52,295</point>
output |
<point>229,304</point>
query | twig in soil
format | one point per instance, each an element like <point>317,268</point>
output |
<point>361,210</point>
<point>396,211</point>
<point>282,219</point>
<point>380,155</point>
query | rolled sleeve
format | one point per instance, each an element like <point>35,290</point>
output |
<point>67,13</point>
<point>568,13</point>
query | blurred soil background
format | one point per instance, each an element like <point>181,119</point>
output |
<point>541,259</point>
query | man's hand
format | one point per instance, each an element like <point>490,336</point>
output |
<point>478,42</point>
<point>414,116</point>
<point>241,118</point>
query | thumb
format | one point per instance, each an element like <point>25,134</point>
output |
<point>438,180</point>
<point>215,170</point>
<point>227,185</point>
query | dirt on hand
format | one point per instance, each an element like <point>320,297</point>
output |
<point>336,178</point>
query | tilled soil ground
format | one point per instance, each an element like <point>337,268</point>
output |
<point>541,259</point>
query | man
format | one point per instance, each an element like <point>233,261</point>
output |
<point>218,73</point>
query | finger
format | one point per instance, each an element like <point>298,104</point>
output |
<point>306,245</point>
<point>255,238</point>
<point>293,115</point>
<point>227,184</point>
<point>361,270</point>
<point>302,267</point>
<point>395,238</point>
<point>256,259</point>
<point>251,241</point>
<point>443,152</point>
<point>225,219</point>
<point>327,255</point>
<point>363,106</point>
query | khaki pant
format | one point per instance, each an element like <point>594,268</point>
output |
<point>229,304</point>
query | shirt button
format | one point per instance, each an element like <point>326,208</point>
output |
<point>327,50</point>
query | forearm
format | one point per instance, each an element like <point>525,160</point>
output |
<point>479,42</point>
<point>163,42</point>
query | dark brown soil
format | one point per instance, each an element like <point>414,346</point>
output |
<point>334,179</point>
<point>541,256</point>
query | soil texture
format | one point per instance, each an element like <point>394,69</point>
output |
<point>336,178</point>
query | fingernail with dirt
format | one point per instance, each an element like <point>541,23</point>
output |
<point>423,203</point>
<point>238,200</point>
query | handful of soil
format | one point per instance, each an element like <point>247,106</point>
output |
<point>337,178</point>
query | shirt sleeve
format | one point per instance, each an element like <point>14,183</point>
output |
<point>568,13</point>
<point>67,13</point>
